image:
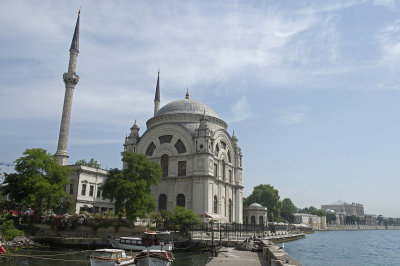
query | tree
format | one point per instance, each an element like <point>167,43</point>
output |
<point>268,196</point>
<point>318,212</point>
<point>182,219</point>
<point>130,187</point>
<point>38,182</point>
<point>288,209</point>
<point>330,218</point>
<point>67,205</point>
<point>92,163</point>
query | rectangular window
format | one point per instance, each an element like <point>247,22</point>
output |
<point>99,192</point>
<point>91,190</point>
<point>216,170</point>
<point>83,192</point>
<point>71,189</point>
<point>182,168</point>
<point>230,176</point>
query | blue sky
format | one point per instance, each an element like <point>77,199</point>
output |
<point>311,88</point>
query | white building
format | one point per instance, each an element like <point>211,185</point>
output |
<point>201,162</point>
<point>85,187</point>
<point>255,214</point>
<point>313,221</point>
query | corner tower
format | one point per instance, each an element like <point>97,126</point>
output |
<point>70,80</point>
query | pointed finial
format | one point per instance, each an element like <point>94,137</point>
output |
<point>233,133</point>
<point>75,38</point>
<point>157,95</point>
<point>79,12</point>
<point>187,93</point>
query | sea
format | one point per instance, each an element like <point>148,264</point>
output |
<point>46,256</point>
<point>361,247</point>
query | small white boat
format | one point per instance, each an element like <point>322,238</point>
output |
<point>150,240</point>
<point>155,257</point>
<point>110,257</point>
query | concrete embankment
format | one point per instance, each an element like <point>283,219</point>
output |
<point>271,254</point>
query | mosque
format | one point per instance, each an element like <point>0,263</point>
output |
<point>201,162</point>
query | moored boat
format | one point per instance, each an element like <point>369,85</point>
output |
<point>110,257</point>
<point>150,240</point>
<point>155,257</point>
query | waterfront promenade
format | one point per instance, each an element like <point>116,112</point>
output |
<point>232,257</point>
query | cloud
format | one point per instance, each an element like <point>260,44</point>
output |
<point>296,116</point>
<point>390,4</point>
<point>240,110</point>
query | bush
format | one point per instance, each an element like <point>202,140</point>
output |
<point>8,231</point>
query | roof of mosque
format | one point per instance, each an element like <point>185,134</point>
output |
<point>186,106</point>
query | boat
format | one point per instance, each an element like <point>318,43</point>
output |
<point>110,257</point>
<point>155,257</point>
<point>150,240</point>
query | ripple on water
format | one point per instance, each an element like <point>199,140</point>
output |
<point>375,247</point>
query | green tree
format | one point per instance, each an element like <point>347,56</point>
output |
<point>7,229</point>
<point>182,220</point>
<point>268,196</point>
<point>67,205</point>
<point>92,163</point>
<point>288,209</point>
<point>38,182</point>
<point>130,187</point>
<point>318,212</point>
<point>330,218</point>
<point>162,219</point>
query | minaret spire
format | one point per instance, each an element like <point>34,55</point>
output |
<point>157,96</point>
<point>70,80</point>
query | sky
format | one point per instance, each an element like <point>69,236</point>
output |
<point>311,88</point>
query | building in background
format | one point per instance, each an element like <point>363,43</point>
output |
<point>350,209</point>
<point>313,221</point>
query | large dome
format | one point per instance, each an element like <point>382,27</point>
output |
<point>186,106</point>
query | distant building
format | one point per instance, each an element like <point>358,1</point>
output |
<point>350,209</point>
<point>255,214</point>
<point>313,221</point>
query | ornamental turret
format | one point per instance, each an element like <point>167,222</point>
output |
<point>132,140</point>
<point>70,80</point>
<point>203,135</point>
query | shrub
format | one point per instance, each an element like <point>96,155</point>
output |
<point>8,231</point>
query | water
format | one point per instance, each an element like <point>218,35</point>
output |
<point>375,247</point>
<point>63,256</point>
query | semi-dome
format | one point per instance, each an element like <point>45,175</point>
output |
<point>255,205</point>
<point>186,106</point>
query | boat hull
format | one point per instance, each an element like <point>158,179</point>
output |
<point>102,262</point>
<point>117,244</point>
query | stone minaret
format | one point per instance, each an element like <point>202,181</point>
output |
<point>70,80</point>
<point>157,96</point>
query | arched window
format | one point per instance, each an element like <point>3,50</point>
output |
<point>180,200</point>
<point>164,165</point>
<point>230,210</point>
<point>261,220</point>
<point>162,202</point>
<point>215,204</point>
<point>229,157</point>
<point>247,219</point>
<point>253,219</point>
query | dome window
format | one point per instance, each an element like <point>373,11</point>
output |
<point>165,139</point>
<point>180,147</point>
<point>150,149</point>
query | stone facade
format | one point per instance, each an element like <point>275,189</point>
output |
<point>201,161</point>
<point>255,214</point>
<point>314,221</point>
